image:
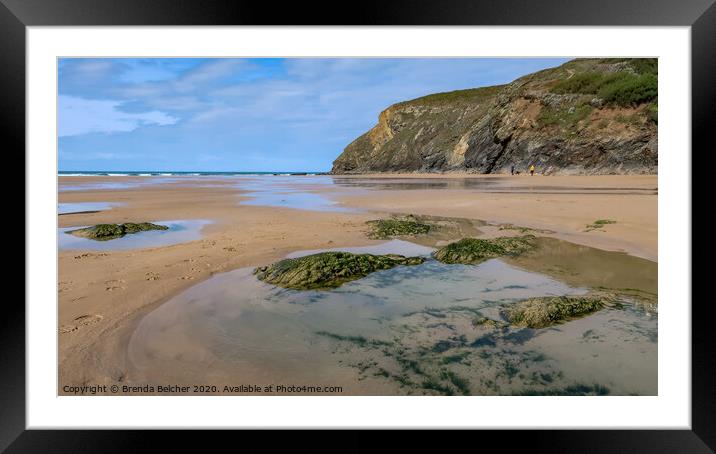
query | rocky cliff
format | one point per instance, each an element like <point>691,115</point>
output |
<point>588,116</point>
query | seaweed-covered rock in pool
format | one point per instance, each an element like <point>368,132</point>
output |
<point>104,232</point>
<point>130,227</point>
<point>403,226</point>
<point>328,269</point>
<point>547,311</point>
<point>488,323</point>
<point>473,250</point>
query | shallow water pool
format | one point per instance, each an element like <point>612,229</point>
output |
<point>84,207</point>
<point>180,231</point>
<point>301,193</point>
<point>407,330</point>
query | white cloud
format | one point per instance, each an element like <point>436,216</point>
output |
<point>207,72</point>
<point>78,116</point>
<point>214,113</point>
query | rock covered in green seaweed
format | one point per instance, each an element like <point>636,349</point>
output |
<point>599,224</point>
<point>104,232</point>
<point>401,226</point>
<point>488,323</point>
<point>328,269</point>
<point>475,250</point>
<point>546,311</point>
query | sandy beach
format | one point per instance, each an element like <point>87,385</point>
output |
<point>104,294</point>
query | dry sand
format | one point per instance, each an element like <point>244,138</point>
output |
<point>102,295</point>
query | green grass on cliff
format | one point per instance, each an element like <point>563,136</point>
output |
<point>469,95</point>
<point>653,112</point>
<point>567,119</point>
<point>621,88</point>
<point>639,65</point>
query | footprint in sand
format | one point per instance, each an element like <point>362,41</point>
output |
<point>115,284</point>
<point>88,255</point>
<point>64,286</point>
<point>82,320</point>
<point>115,281</point>
<point>88,319</point>
<point>151,276</point>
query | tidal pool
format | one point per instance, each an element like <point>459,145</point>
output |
<point>407,330</point>
<point>180,231</point>
<point>295,200</point>
<point>83,207</point>
<point>297,192</point>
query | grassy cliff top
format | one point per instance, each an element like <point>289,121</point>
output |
<point>611,77</point>
<point>470,95</point>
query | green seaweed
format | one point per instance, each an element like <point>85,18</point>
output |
<point>546,311</point>
<point>599,223</point>
<point>462,384</point>
<point>410,365</point>
<point>455,358</point>
<point>405,226</point>
<point>578,389</point>
<point>327,270</point>
<point>106,232</point>
<point>487,322</point>
<point>520,229</point>
<point>434,385</point>
<point>473,250</point>
<point>358,340</point>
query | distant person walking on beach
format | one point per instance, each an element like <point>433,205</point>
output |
<point>532,170</point>
<point>512,170</point>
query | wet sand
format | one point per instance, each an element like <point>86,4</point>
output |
<point>103,295</point>
<point>563,204</point>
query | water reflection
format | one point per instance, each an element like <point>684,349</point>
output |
<point>490,185</point>
<point>84,207</point>
<point>407,330</point>
<point>297,192</point>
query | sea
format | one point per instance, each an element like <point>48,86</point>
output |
<point>144,173</point>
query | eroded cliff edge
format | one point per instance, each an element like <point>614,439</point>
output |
<point>588,116</point>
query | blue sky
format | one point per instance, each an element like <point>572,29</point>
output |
<point>243,114</point>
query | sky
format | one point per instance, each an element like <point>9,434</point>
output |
<point>243,115</point>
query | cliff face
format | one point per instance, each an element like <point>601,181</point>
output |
<point>588,116</point>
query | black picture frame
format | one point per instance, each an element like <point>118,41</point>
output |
<point>16,15</point>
